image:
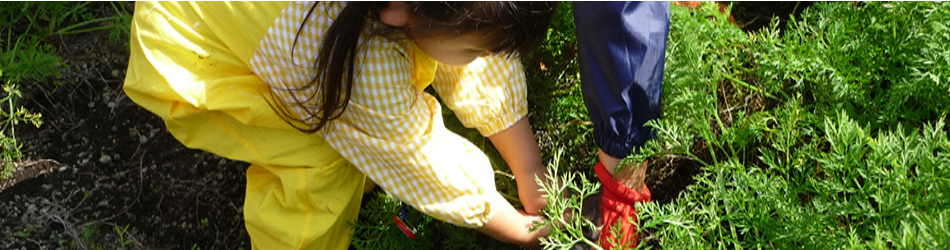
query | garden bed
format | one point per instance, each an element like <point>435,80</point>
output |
<point>828,135</point>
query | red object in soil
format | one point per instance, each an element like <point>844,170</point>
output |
<point>687,4</point>
<point>402,226</point>
<point>694,4</point>
<point>617,206</point>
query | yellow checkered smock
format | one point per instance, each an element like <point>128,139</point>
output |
<point>209,68</point>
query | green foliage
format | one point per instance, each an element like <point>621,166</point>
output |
<point>829,137</point>
<point>64,18</point>
<point>376,229</point>
<point>883,63</point>
<point>845,189</point>
<point>121,232</point>
<point>20,59</point>
<point>564,211</point>
<point>121,25</point>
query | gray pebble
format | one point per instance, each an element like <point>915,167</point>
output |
<point>105,159</point>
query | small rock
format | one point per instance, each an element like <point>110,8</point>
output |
<point>105,159</point>
<point>47,186</point>
<point>115,73</point>
<point>83,162</point>
<point>111,105</point>
<point>143,139</point>
<point>222,162</point>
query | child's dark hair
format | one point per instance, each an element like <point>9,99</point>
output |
<point>517,28</point>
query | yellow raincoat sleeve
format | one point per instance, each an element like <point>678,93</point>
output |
<point>391,130</point>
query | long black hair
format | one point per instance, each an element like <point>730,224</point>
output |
<point>517,28</point>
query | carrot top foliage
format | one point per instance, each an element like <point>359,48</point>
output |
<point>830,135</point>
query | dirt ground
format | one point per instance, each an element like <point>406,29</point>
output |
<point>103,173</point>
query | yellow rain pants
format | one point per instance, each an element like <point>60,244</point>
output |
<point>189,65</point>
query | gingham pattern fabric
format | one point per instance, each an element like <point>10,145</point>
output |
<point>392,130</point>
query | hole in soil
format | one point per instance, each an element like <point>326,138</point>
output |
<point>668,175</point>
<point>753,16</point>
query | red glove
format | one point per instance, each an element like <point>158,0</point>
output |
<point>616,204</point>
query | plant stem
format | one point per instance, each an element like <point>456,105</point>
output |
<point>749,86</point>
<point>66,31</point>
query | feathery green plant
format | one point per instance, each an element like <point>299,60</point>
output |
<point>829,137</point>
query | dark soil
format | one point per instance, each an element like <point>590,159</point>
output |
<point>103,173</point>
<point>753,16</point>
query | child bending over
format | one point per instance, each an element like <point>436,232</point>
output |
<point>324,99</point>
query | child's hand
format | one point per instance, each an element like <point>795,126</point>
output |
<point>513,226</point>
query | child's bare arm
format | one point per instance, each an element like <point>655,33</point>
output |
<point>520,150</point>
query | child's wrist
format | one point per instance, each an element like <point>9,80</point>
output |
<point>528,191</point>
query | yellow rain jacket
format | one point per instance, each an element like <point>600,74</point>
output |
<point>209,69</point>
